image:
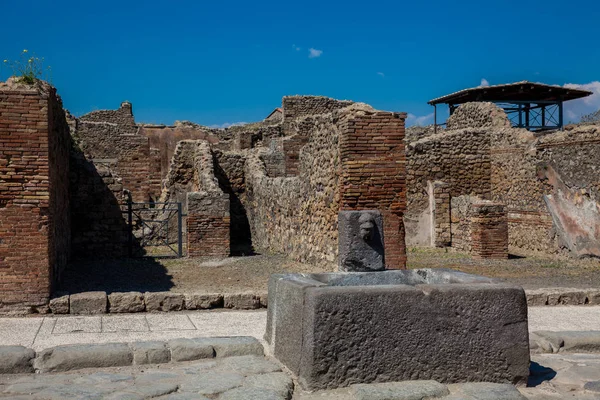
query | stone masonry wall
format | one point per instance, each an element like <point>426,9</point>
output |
<point>297,215</point>
<point>208,221</point>
<point>33,248</point>
<point>373,175</point>
<point>301,106</point>
<point>460,158</point>
<point>489,230</point>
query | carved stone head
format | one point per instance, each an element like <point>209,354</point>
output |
<point>367,225</point>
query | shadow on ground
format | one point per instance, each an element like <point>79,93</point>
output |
<point>539,374</point>
<point>116,275</point>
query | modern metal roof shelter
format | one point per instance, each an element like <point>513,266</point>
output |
<point>534,106</point>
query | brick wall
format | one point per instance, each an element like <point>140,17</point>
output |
<point>439,194</point>
<point>208,224</point>
<point>489,230</point>
<point>373,175</point>
<point>34,242</point>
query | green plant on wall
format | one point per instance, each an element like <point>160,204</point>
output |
<point>29,68</point>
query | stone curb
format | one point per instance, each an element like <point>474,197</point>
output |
<point>88,303</point>
<point>19,359</point>
<point>562,296</point>
<point>564,342</point>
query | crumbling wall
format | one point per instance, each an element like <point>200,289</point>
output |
<point>478,115</point>
<point>460,158</point>
<point>301,106</point>
<point>34,233</point>
<point>297,215</point>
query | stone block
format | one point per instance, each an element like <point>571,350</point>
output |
<point>593,296</point>
<point>407,323</point>
<point>150,353</point>
<point>237,346</point>
<point>164,301</point>
<point>537,297</point>
<point>566,296</point>
<point>127,302</point>
<point>360,241</point>
<point>191,349</point>
<point>72,357</point>
<point>241,301</point>
<point>88,303</point>
<point>16,359</point>
<point>60,304</point>
<point>201,301</point>
<point>400,390</point>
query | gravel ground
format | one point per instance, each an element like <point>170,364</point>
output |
<point>528,271</point>
<point>184,275</point>
<point>251,273</point>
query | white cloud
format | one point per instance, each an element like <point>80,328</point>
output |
<point>381,74</point>
<point>412,119</point>
<point>297,48</point>
<point>484,83</point>
<point>576,108</point>
<point>226,125</point>
<point>314,53</point>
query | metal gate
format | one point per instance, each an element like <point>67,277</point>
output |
<point>155,229</point>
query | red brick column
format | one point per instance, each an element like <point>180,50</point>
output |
<point>373,175</point>
<point>208,224</point>
<point>489,230</point>
<point>34,225</point>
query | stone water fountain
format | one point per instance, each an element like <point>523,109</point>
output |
<point>336,329</point>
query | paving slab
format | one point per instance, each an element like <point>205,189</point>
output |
<point>169,322</point>
<point>125,323</point>
<point>77,324</point>
<point>564,318</point>
<point>19,331</point>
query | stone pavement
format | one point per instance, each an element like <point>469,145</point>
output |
<point>230,378</point>
<point>40,333</point>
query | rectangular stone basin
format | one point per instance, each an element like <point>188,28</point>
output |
<point>337,329</point>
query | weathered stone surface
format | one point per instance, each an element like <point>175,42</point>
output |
<point>241,301</point>
<point>400,390</point>
<point>164,301</point>
<point>572,341</point>
<point>237,346</point>
<point>536,297</point>
<point>248,365</point>
<point>252,393</point>
<point>198,301</point>
<point>485,391</point>
<point>59,304</point>
<point>70,357</point>
<point>279,382</point>
<point>592,386</point>
<point>264,299</point>
<point>566,296</point>
<point>150,353</point>
<point>360,241</point>
<point>127,302</point>
<point>314,320</point>
<point>16,359</point>
<point>191,349</point>
<point>213,382</point>
<point>593,296</point>
<point>88,303</point>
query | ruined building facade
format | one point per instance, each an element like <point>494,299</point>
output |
<point>545,182</point>
<point>273,186</point>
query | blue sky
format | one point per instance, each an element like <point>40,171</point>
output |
<point>223,62</point>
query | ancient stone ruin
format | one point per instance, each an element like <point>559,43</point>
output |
<point>300,183</point>
<point>101,185</point>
